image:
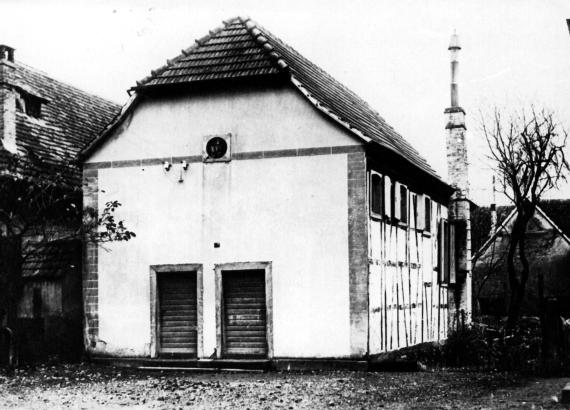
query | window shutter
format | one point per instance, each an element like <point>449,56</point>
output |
<point>446,249</point>
<point>427,214</point>
<point>419,212</point>
<point>397,200</point>
<point>376,195</point>
<point>404,204</point>
<point>441,251</point>
<point>452,261</point>
<point>387,196</point>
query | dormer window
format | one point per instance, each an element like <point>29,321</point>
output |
<point>29,104</point>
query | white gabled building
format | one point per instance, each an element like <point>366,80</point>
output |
<point>277,215</point>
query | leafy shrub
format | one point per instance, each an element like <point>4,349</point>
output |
<point>467,346</point>
<point>482,346</point>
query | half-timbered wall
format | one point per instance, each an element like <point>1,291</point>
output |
<point>407,305</point>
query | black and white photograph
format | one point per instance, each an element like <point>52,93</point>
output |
<point>284,205</point>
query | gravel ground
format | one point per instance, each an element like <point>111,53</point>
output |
<point>85,386</point>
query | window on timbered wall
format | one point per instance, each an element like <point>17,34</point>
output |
<point>393,213</point>
<point>446,251</point>
<point>414,210</point>
<point>427,214</point>
<point>403,204</point>
<point>376,195</point>
<point>387,196</point>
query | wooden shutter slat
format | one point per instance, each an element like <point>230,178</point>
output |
<point>178,312</point>
<point>244,314</point>
<point>452,255</point>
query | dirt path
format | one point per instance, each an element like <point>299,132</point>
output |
<point>83,386</point>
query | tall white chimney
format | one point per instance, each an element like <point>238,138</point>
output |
<point>459,207</point>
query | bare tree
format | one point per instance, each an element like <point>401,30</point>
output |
<point>527,148</point>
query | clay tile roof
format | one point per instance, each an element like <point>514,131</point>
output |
<point>558,210</point>
<point>53,260</point>
<point>70,118</point>
<point>243,49</point>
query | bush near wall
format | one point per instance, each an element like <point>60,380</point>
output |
<point>488,345</point>
<point>495,348</point>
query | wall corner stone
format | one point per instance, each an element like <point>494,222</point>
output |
<point>90,265</point>
<point>357,253</point>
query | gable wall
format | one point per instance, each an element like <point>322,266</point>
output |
<point>279,118</point>
<point>549,255</point>
<point>289,205</point>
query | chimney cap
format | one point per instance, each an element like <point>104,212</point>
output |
<point>6,53</point>
<point>454,42</point>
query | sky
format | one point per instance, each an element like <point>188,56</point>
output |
<point>391,53</point>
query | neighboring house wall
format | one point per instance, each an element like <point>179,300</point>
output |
<point>50,309</point>
<point>548,252</point>
<point>293,195</point>
<point>44,119</point>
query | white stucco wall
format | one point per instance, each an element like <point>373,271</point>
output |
<point>291,211</point>
<point>258,119</point>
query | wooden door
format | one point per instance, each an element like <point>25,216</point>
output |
<point>177,314</point>
<point>244,329</point>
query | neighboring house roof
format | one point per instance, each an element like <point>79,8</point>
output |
<point>53,260</point>
<point>242,49</point>
<point>481,224</point>
<point>70,118</point>
<point>556,212</point>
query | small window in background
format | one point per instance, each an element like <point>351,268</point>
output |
<point>427,214</point>
<point>403,204</point>
<point>376,195</point>
<point>33,107</point>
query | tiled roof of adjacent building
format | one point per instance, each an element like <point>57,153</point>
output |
<point>558,210</point>
<point>70,118</point>
<point>243,49</point>
<point>53,259</point>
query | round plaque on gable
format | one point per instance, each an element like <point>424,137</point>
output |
<point>216,148</point>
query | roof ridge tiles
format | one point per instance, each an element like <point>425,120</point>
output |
<point>257,34</point>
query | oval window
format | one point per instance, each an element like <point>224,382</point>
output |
<point>216,148</point>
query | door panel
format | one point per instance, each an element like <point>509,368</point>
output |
<point>177,315</point>
<point>244,313</point>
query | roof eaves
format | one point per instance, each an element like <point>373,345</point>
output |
<point>299,86</point>
<point>125,110</point>
<point>564,236</point>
